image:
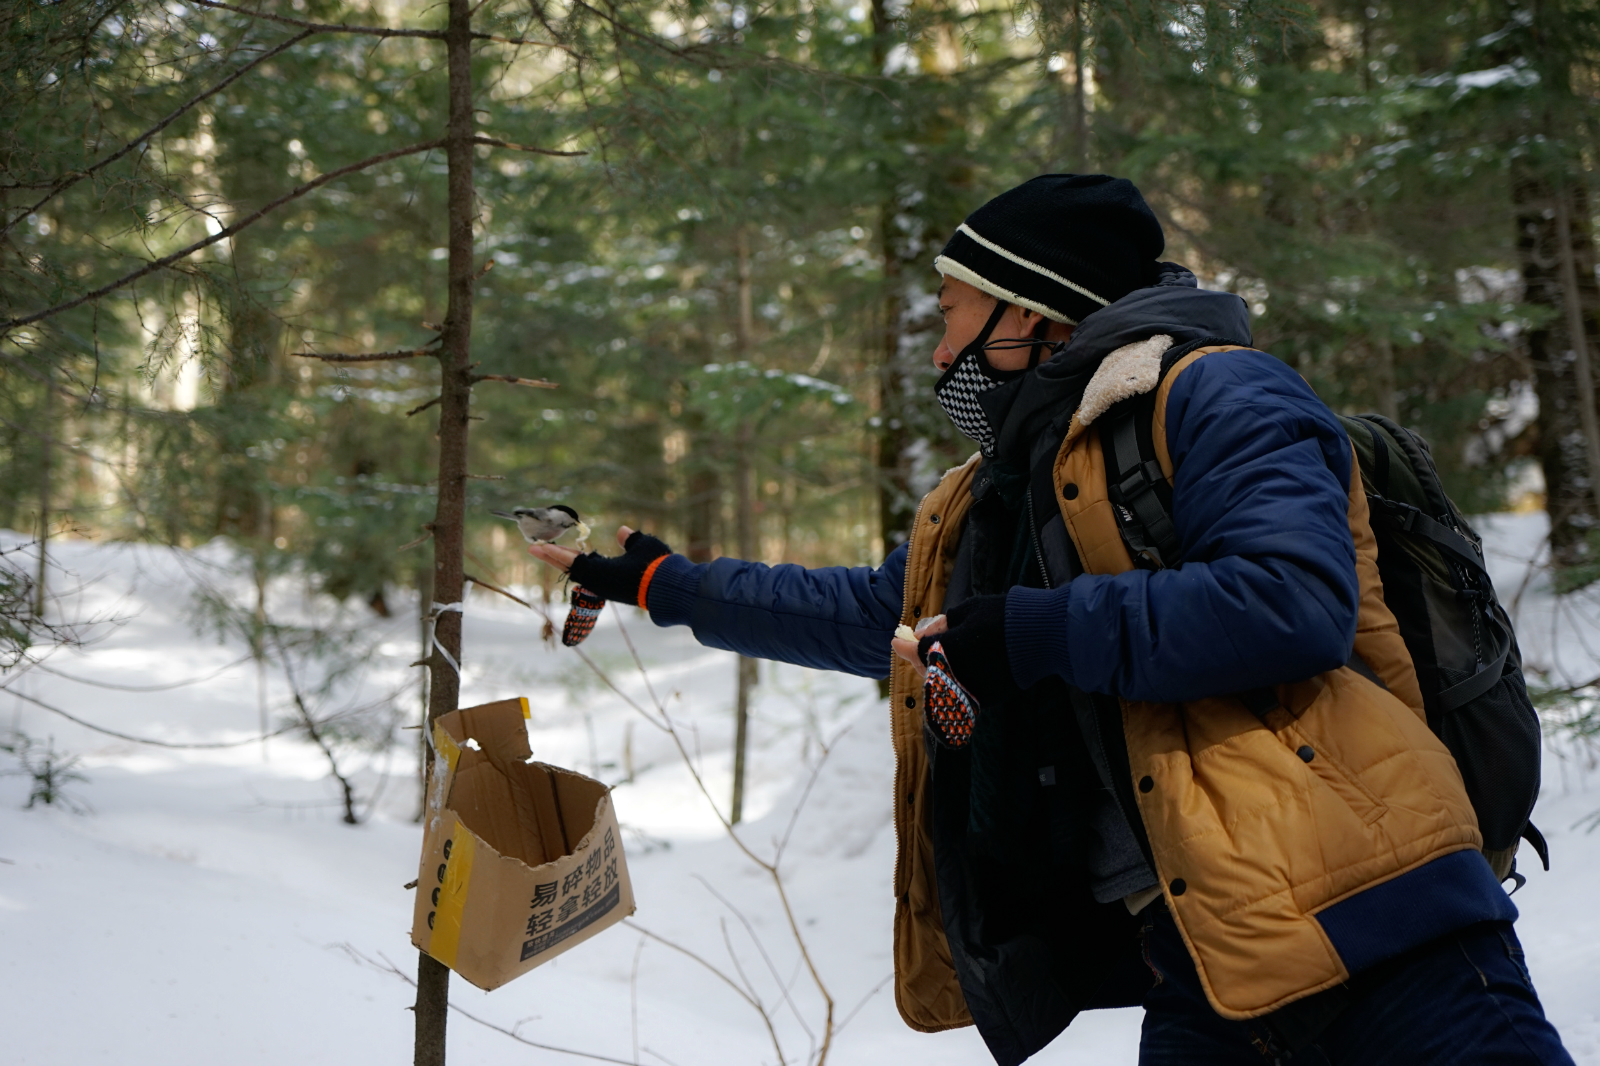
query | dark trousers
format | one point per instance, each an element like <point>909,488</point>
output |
<point>1463,1000</point>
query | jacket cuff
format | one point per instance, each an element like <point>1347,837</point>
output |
<point>1036,634</point>
<point>673,589</point>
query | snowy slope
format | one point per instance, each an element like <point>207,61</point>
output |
<point>213,905</point>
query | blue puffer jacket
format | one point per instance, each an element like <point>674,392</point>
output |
<point>1267,593</point>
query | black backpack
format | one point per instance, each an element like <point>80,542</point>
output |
<point>1434,580</point>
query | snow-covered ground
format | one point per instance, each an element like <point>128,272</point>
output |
<point>212,906</point>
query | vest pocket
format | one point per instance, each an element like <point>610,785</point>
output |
<point>1345,784</point>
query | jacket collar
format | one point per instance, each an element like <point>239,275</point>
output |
<point>1035,411</point>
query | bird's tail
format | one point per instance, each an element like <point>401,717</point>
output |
<point>504,514</point>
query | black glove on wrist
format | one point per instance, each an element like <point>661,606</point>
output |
<point>975,646</point>
<point>621,578</point>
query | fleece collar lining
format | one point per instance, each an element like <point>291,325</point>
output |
<point>1131,370</point>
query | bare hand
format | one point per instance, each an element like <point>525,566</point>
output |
<point>561,558</point>
<point>907,649</point>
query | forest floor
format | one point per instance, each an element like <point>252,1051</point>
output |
<point>210,905</point>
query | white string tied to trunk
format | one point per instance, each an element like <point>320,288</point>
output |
<point>434,646</point>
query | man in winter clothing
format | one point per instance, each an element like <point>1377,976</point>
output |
<point>1206,787</point>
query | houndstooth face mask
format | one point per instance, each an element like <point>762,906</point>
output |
<point>969,377</point>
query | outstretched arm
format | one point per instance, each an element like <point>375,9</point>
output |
<point>830,618</point>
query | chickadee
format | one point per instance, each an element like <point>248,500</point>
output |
<point>544,525</point>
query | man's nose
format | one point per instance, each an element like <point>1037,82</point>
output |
<point>943,356</point>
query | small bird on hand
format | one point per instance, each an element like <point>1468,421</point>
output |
<point>546,525</point>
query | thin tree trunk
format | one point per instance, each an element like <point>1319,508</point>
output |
<point>449,522</point>
<point>895,506</point>
<point>46,445</point>
<point>258,646</point>
<point>1549,271</point>
<point>745,519</point>
<point>424,752</point>
<point>1080,103</point>
<point>1383,386</point>
<point>1577,330</point>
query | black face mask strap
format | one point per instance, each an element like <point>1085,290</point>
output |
<point>982,339</point>
<point>1040,344</point>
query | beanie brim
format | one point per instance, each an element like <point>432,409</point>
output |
<point>1005,275</point>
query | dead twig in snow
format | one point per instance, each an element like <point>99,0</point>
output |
<point>770,867</point>
<point>721,975</point>
<point>312,730</point>
<point>633,994</point>
<point>390,968</point>
<point>142,688</point>
<point>254,738</point>
<point>761,949</point>
<point>663,720</point>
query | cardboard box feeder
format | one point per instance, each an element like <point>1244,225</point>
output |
<point>520,860</point>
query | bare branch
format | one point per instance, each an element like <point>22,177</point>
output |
<point>253,739</point>
<point>142,688</point>
<point>497,39</point>
<point>323,27</point>
<point>532,383</point>
<point>63,184</point>
<point>422,407</point>
<point>364,357</point>
<point>766,1016</point>
<point>495,142</point>
<point>310,724</point>
<point>481,583</point>
<point>222,235</point>
<point>427,531</point>
<point>389,967</point>
<point>750,930</point>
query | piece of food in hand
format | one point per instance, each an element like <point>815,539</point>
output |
<point>904,632</point>
<point>545,525</point>
<point>585,612</point>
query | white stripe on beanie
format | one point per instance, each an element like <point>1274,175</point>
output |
<point>1035,267</point>
<point>951,268</point>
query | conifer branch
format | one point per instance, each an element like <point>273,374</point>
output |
<point>362,357</point>
<point>61,185</point>
<point>494,142</point>
<point>532,383</point>
<point>224,234</point>
<point>497,39</point>
<point>323,27</point>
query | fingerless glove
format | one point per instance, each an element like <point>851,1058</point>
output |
<point>974,648</point>
<point>621,578</point>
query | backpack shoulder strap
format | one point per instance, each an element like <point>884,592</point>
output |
<point>1137,488</point>
<point>1135,483</point>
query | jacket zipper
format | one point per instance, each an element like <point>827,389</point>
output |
<point>1038,548</point>
<point>894,696</point>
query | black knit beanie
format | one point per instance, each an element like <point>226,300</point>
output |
<point>1064,245</point>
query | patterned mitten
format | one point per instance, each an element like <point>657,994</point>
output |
<point>585,612</point>
<point>951,710</point>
